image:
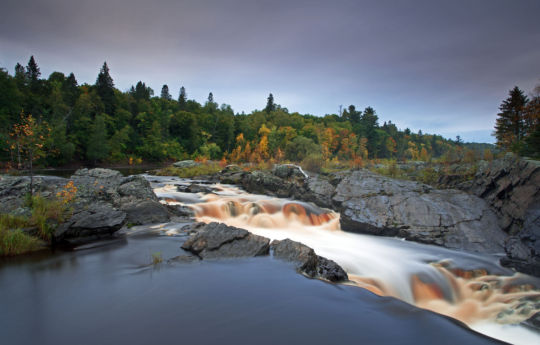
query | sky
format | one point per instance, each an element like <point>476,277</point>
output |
<point>440,66</point>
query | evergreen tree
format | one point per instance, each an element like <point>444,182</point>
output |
<point>70,89</point>
<point>32,70</point>
<point>510,123</point>
<point>105,89</point>
<point>182,98</point>
<point>270,106</point>
<point>20,73</point>
<point>165,93</point>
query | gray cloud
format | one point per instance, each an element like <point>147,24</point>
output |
<point>437,66</point>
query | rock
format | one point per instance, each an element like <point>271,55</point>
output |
<point>379,205</point>
<point>267,183</point>
<point>330,270</point>
<point>104,202</point>
<point>289,171</point>
<point>307,261</point>
<point>303,256</point>
<point>95,221</point>
<point>217,240</point>
<point>186,164</point>
<point>180,211</point>
<point>533,322</point>
<point>232,174</point>
<point>145,212</point>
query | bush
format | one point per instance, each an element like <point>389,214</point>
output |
<point>313,162</point>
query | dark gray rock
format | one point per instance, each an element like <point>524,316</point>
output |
<point>145,212</point>
<point>378,205</point>
<point>232,174</point>
<point>96,220</point>
<point>533,322</point>
<point>217,240</point>
<point>105,200</point>
<point>303,256</point>
<point>267,183</point>
<point>306,261</point>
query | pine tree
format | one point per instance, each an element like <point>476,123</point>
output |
<point>510,123</point>
<point>165,93</point>
<point>105,89</point>
<point>71,89</point>
<point>270,106</point>
<point>182,98</point>
<point>32,70</point>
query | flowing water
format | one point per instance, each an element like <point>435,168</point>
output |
<point>472,288</point>
<point>111,293</point>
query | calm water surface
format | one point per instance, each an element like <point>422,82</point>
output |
<point>111,294</point>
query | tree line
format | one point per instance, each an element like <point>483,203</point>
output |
<point>99,123</point>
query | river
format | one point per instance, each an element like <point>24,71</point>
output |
<point>110,292</point>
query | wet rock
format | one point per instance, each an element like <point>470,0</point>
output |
<point>307,261</point>
<point>95,221</point>
<point>330,270</point>
<point>378,205</point>
<point>145,212</point>
<point>217,240</point>
<point>533,322</point>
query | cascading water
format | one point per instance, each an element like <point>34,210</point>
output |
<point>468,287</point>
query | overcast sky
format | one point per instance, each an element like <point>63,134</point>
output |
<point>440,66</point>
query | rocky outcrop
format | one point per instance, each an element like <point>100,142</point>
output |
<point>105,201</point>
<point>497,211</point>
<point>511,186</point>
<point>378,205</point>
<point>217,240</point>
<point>307,262</point>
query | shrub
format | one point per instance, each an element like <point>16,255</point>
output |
<point>313,162</point>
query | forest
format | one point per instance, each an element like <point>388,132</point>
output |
<point>56,122</point>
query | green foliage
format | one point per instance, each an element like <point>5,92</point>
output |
<point>313,162</point>
<point>199,170</point>
<point>101,123</point>
<point>13,241</point>
<point>46,214</point>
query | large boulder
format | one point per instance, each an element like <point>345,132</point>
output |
<point>217,240</point>
<point>306,261</point>
<point>378,205</point>
<point>94,222</point>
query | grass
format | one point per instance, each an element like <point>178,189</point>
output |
<point>46,214</point>
<point>14,241</point>
<point>199,170</point>
<point>157,258</point>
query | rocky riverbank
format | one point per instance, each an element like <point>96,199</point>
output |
<point>496,212</point>
<point>105,201</point>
